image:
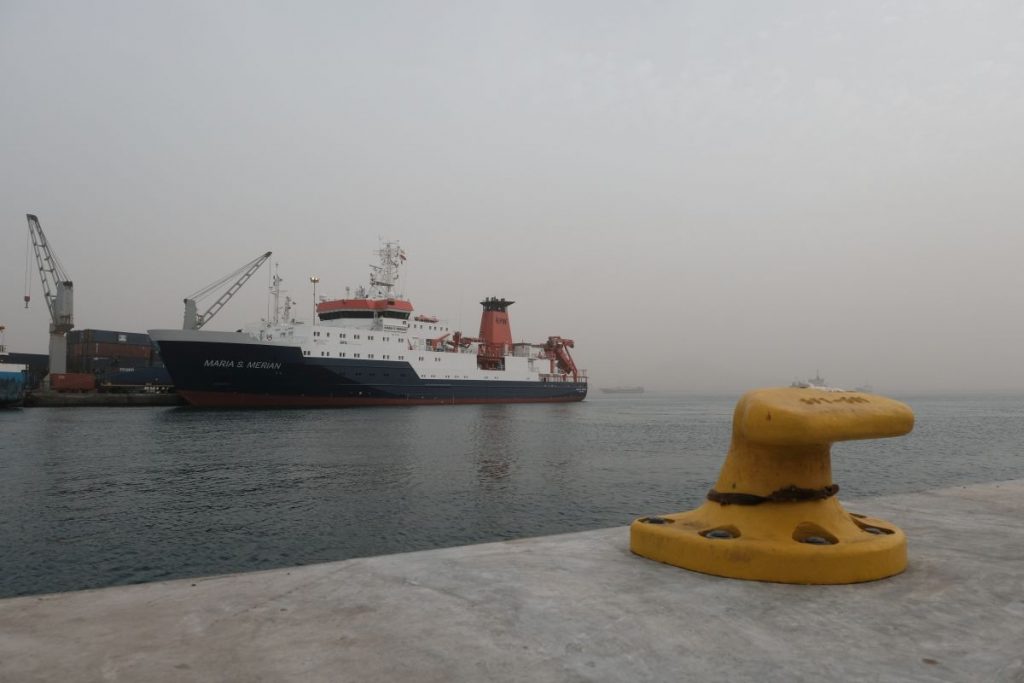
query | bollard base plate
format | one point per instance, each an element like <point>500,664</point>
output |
<point>806,543</point>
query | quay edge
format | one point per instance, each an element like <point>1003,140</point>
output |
<point>570,607</point>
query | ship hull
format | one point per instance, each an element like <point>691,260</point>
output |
<point>12,387</point>
<point>237,375</point>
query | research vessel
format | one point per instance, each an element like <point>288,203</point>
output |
<point>368,348</point>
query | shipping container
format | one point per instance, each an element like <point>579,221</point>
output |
<point>137,377</point>
<point>108,337</point>
<point>108,350</point>
<point>126,362</point>
<point>100,365</point>
<point>132,362</point>
<point>123,350</point>
<point>72,381</point>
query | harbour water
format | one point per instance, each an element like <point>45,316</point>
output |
<point>93,497</point>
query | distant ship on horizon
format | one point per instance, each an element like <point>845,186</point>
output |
<point>815,382</point>
<point>623,390</point>
<point>818,382</point>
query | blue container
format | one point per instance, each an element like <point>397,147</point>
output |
<point>107,337</point>
<point>12,384</point>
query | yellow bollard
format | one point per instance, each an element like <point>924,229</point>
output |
<point>773,514</point>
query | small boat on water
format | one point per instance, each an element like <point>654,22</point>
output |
<point>816,382</point>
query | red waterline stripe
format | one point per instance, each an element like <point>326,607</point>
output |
<point>217,399</point>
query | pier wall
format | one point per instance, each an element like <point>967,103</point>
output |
<point>576,607</point>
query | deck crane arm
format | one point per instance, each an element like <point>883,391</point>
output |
<point>193,320</point>
<point>557,349</point>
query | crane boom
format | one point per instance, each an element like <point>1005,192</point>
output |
<point>52,274</point>
<point>193,320</point>
<point>58,290</point>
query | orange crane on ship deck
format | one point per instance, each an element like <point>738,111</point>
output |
<point>557,350</point>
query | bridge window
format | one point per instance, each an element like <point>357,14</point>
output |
<point>337,315</point>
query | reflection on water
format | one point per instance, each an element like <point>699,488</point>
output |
<point>95,497</point>
<point>492,445</point>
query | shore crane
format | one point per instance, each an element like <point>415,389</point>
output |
<point>58,291</point>
<point>194,320</point>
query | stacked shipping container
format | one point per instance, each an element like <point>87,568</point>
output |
<point>115,357</point>
<point>104,351</point>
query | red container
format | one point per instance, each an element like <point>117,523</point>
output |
<point>72,381</point>
<point>120,350</point>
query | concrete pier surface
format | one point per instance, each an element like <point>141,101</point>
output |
<point>577,607</point>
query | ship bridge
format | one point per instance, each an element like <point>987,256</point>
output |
<point>391,313</point>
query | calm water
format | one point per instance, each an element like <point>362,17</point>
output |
<point>94,497</point>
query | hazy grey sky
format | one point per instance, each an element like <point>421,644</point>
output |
<point>705,196</point>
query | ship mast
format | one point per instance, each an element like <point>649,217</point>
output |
<point>275,292</point>
<point>384,277</point>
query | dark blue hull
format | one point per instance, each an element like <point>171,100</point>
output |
<point>257,375</point>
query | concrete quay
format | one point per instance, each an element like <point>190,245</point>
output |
<point>576,607</point>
